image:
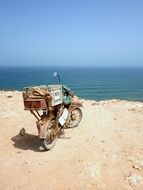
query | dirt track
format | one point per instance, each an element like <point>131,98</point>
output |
<point>105,152</point>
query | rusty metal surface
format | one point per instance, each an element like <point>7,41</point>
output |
<point>35,104</point>
<point>43,124</point>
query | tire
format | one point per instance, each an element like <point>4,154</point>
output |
<point>75,121</point>
<point>47,143</point>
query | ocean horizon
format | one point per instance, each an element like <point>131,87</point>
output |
<point>93,83</point>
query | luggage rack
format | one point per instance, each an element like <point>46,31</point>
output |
<point>39,101</point>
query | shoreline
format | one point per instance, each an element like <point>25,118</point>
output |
<point>83,99</point>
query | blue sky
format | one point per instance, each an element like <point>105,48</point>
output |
<point>71,32</point>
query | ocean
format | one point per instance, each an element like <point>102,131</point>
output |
<point>93,83</point>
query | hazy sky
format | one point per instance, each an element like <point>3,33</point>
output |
<point>72,32</point>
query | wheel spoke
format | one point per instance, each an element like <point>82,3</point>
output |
<point>49,142</point>
<point>75,117</point>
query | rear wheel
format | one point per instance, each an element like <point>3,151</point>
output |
<point>75,117</point>
<point>49,142</point>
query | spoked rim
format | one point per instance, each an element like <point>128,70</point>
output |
<point>75,117</point>
<point>49,143</point>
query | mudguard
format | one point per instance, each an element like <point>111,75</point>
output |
<point>76,102</point>
<point>43,124</point>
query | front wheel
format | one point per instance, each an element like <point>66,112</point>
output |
<point>48,142</point>
<point>75,117</point>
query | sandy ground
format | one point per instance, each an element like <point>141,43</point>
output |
<point>105,152</point>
